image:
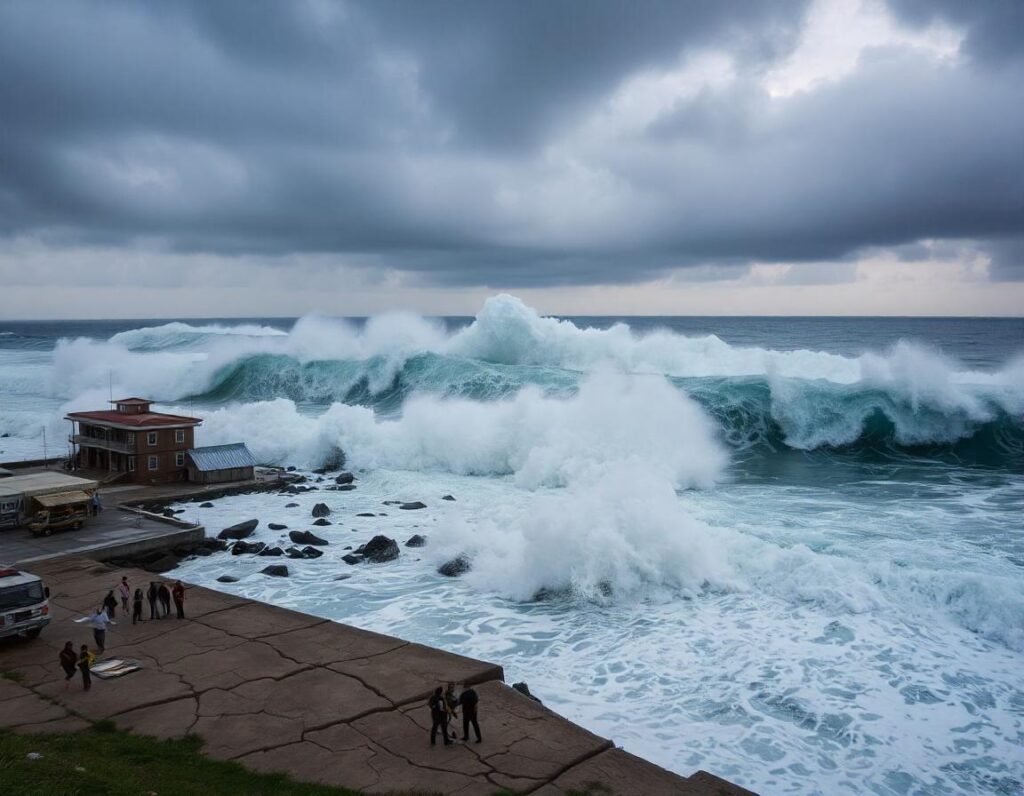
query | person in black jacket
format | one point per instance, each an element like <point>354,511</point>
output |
<point>110,603</point>
<point>151,594</point>
<point>438,717</point>
<point>468,701</point>
<point>137,606</point>
<point>165,599</point>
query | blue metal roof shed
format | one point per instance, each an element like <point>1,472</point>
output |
<point>233,461</point>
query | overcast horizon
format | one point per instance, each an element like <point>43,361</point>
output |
<point>792,158</point>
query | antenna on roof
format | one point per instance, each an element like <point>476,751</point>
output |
<point>110,383</point>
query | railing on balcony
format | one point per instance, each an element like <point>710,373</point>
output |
<point>101,442</point>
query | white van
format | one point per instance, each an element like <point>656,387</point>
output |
<point>24,603</point>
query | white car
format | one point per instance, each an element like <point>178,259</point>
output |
<point>24,603</point>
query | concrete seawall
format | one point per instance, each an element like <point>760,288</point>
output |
<point>278,690</point>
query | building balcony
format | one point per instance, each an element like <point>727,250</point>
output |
<point>107,444</point>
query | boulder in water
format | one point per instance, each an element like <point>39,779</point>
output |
<point>344,478</point>
<point>447,497</point>
<point>321,510</point>
<point>366,514</point>
<point>241,548</point>
<point>416,541</point>
<point>457,566</point>
<point>276,526</point>
<point>276,570</point>
<point>239,531</point>
<point>342,488</point>
<point>271,551</point>
<point>322,522</point>
<point>306,537</point>
<point>291,505</point>
<point>352,558</point>
<point>227,579</point>
<point>206,505</point>
<point>413,506</point>
<point>380,549</point>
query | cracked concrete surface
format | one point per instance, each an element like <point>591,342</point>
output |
<point>278,690</point>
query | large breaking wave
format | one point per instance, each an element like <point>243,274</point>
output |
<point>909,397</point>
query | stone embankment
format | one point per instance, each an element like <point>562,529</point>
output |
<point>278,690</point>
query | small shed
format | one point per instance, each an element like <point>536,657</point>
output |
<point>217,464</point>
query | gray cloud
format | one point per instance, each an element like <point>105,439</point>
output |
<point>425,137</point>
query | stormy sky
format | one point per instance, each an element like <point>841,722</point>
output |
<point>254,157</point>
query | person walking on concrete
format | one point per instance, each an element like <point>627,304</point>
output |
<point>151,595</point>
<point>68,662</point>
<point>178,593</point>
<point>94,504</point>
<point>165,599</point>
<point>137,606</point>
<point>124,591</point>
<point>438,717</point>
<point>99,621</point>
<point>469,700</point>
<point>85,661</point>
<point>110,603</point>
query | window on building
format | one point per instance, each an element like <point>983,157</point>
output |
<point>151,438</point>
<point>131,464</point>
<point>179,435</point>
<point>179,459</point>
<point>154,462</point>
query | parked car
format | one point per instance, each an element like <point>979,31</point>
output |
<point>24,603</point>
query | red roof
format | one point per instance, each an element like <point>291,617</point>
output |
<point>132,401</point>
<point>139,419</point>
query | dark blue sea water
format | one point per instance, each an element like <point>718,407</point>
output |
<point>788,550</point>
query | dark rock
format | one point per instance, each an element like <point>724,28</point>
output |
<point>183,550</point>
<point>214,544</point>
<point>305,552</point>
<point>348,547</point>
<point>322,522</point>
<point>342,577</point>
<point>344,478</point>
<point>293,490</point>
<point>276,570</point>
<point>202,551</point>
<point>271,551</point>
<point>366,514</point>
<point>239,531</point>
<point>290,468</point>
<point>524,689</point>
<point>291,505</point>
<point>352,558</point>
<point>343,488</point>
<point>380,549</point>
<point>393,502</point>
<point>413,506</point>
<point>276,526</point>
<point>416,541</point>
<point>457,566</point>
<point>207,505</point>
<point>163,564</point>
<point>306,537</point>
<point>321,510</point>
<point>447,497</point>
<point>241,548</point>
<point>320,479</point>
<point>227,579</point>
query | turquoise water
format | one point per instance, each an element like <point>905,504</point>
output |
<point>789,551</point>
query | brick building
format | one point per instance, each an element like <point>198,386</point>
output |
<point>133,443</point>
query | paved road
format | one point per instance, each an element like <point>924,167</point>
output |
<point>278,690</point>
<point>112,526</point>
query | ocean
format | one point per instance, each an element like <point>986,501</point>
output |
<point>786,550</point>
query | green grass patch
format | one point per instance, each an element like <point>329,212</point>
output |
<point>115,763</point>
<point>14,677</point>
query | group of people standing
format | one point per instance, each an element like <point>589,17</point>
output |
<point>444,708</point>
<point>159,597</point>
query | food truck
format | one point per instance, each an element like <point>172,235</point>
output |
<point>46,501</point>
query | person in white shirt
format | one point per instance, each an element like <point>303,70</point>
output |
<point>99,621</point>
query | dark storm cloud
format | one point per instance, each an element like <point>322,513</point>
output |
<point>432,137</point>
<point>994,29</point>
